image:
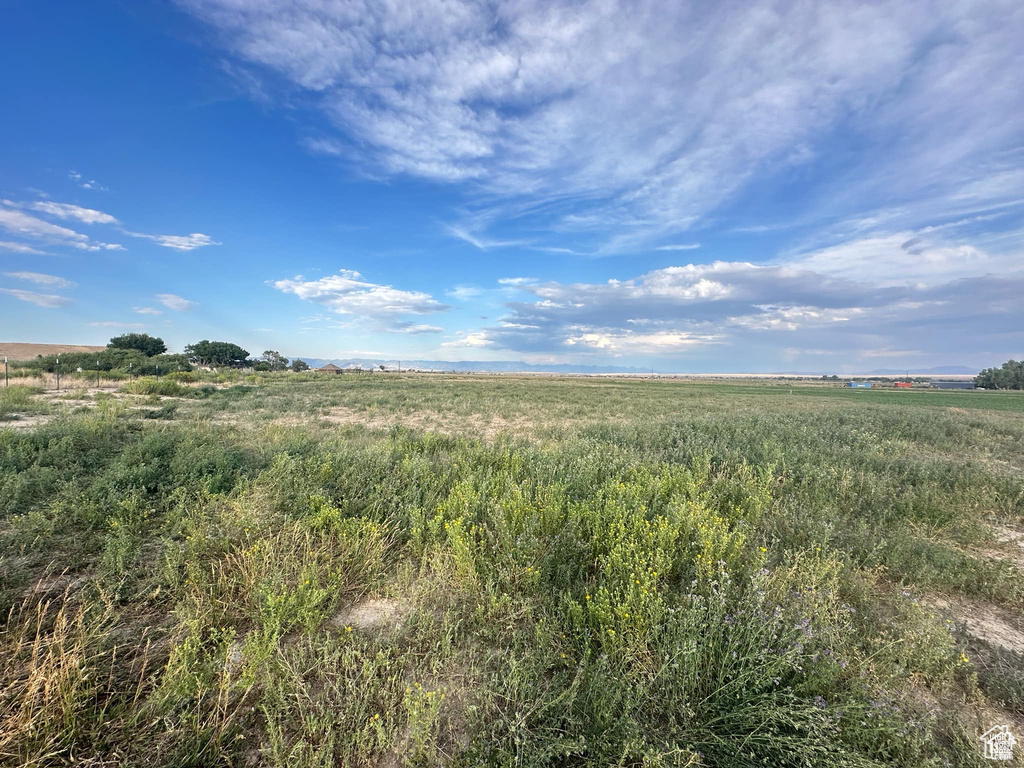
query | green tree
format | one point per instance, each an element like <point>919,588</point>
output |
<point>143,342</point>
<point>217,353</point>
<point>299,365</point>
<point>1010,375</point>
<point>275,360</point>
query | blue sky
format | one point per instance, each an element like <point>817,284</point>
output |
<point>685,186</point>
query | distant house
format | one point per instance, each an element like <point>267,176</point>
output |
<point>331,368</point>
<point>859,384</point>
<point>953,384</point>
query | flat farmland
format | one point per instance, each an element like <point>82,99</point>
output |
<point>384,570</point>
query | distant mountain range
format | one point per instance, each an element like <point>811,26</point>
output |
<point>465,366</point>
<point>951,370</point>
<point>518,366</point>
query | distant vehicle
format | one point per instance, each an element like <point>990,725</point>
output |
<point>953,385</point>
<point>904,384</point>
<point>859,384</point>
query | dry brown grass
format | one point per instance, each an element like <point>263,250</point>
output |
<point>475,424</point>
<point>27,351</point>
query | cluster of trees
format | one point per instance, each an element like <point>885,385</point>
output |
<point>135,352</point>
<point>223,353</point>
<point>218,353</point>
<point>146,355</point>
<point>1010,375</point>
<point>273,360</point>
<point>148,345</point>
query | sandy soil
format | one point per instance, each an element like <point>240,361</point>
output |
<point>25,421</point>
<point>986,622</point>
<point>376,613</point>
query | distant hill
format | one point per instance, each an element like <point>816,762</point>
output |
<point>19,351</point>
<point>951,370</point>
<point>466,366</point>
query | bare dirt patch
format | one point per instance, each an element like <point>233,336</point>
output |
<point>378,613</point>
<point>985,622</point>
<point>1012,546</point>
<point>25,421</point>
<point>475,424</point>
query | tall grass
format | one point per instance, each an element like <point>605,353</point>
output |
<point>643,574</point>
<point>17,399</point>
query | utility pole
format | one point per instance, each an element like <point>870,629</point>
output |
<point>97,374</point>
<point>56,370</point>
<point>130,379</point>
<point>7,381</point>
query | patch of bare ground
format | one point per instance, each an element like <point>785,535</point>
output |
<point>25,421</point>
<point>1011,547</point>
<point>986,622</point>
<point>375,614</point>
<point>475,424</point>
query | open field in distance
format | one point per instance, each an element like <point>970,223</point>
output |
<point>21,351</point>
<point>386,570</point>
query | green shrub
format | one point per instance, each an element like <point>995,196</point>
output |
<point>15,399</point>
<point>153,386</point>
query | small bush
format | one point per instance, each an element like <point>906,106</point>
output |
<point>16,399</point>
<point>152,386</point>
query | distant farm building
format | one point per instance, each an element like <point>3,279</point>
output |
<point>953,385</point>
<point>904,384</point>
<point>859,384</point>
<point>330,368</point>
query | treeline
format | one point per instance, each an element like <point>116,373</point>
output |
<point>1010,375</point>
<point>111,360</point>
<point>145,355</point>
<point>137,353</point>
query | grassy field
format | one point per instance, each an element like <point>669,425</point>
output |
<point>385,570</point>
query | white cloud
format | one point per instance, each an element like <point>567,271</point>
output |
<point>177,303</point>
<point>147,311</point>
<point>29,226</point>
<point>630,121</point>
<point>23,225</point>
<point>178,242</point>
<point>115,324</point>
<point>414,329</point>
<point>661,342</point>
<point>13,219</point>
<point>769,311</point>
<point>40,279</point>
<point>474,340</point>
<point>482,243</point>
<point>465,292</point>
<point>679,247</point>
<point>67,211</point>
<point>7,245</point>
<point>904,257</point>
<point>347,293</point>
<point>84,183</point>
<point>48,300</point>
